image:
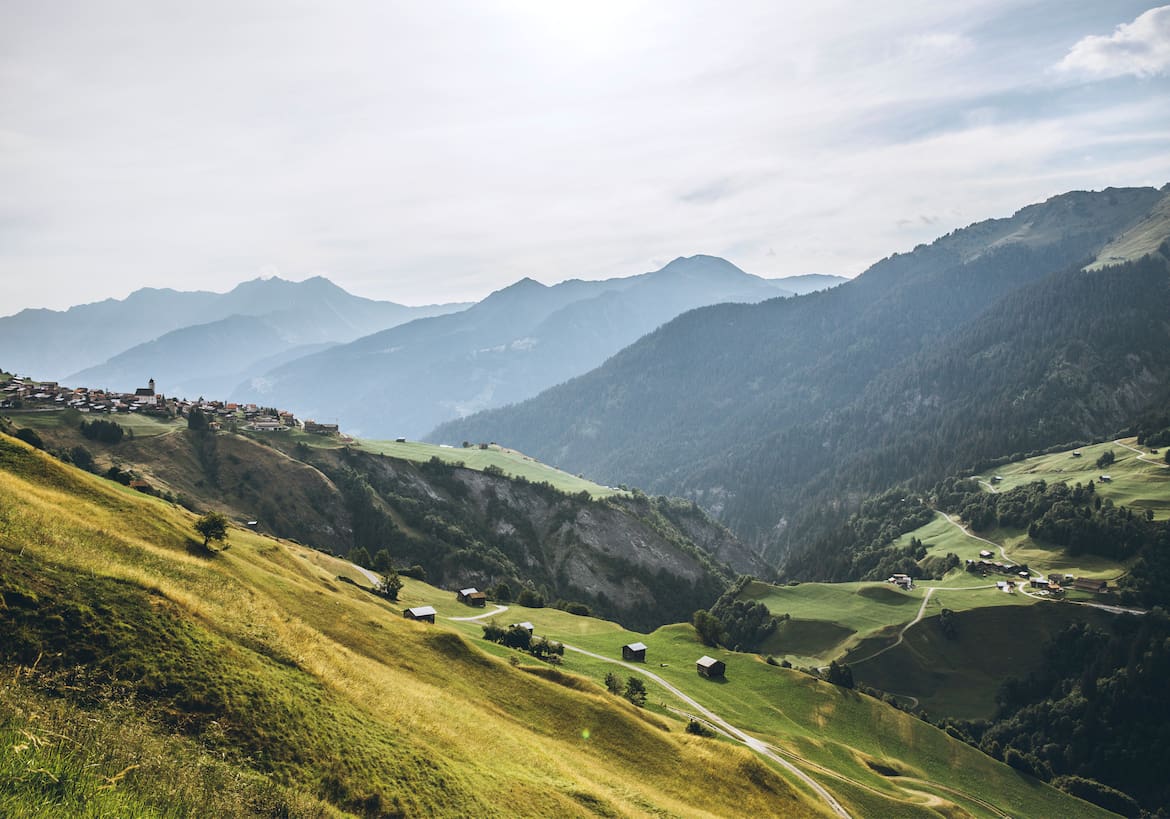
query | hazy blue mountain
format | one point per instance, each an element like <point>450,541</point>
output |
<point>202,360</point>
<point>714,404</point>
<point>514,343</point>
<point>57,344</point>
<point>808,282</point>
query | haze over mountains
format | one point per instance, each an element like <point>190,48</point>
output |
<point>510,346</point>
<point>923,363</point>
<point>105,342</point>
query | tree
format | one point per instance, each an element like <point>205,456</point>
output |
<point>196,419</point>
<point>502,592</point>
<point>389,585</point>
<point>708,627</point>
<point>1107,457</point>
<point>382,561</point>
<point>840,674</point>
<point>612,683</point>
<point>635,691</point>
<point>359,556</point>
<point>213,526</point>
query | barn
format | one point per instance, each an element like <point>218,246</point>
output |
<point>424,614</point>
<point>634,652</point>
<point>710,668</point>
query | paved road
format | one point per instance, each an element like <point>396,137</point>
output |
<point>756,745</point>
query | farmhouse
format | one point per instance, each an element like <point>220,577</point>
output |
<point>472,597</point>
<point>634,652</point>
<point>1086,584</point>
<point>529,627</point>
<point>710,668</point>
<point>321,429</point>
<point>422,613</point>
<point>985,554</point>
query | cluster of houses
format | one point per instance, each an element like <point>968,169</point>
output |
<point>985,566</point>
<point>25,393</point>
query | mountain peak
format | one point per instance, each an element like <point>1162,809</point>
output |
<point>701,264</point>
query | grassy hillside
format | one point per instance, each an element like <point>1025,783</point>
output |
<point>141,672</point>
<point>845,739</point>
<point>314,695</point>
<point>643,560</point>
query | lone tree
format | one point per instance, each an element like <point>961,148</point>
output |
<point>389,585</point>
<point>213,526</point>
<point>635,691</point>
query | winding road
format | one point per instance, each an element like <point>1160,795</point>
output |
<point>902,633</point>
<point>1143,456</point>
<point>760,747</point>
<point>498,610</point>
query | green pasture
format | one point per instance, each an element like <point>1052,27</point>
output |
<point>513,463</point>
<point>1133,482</point>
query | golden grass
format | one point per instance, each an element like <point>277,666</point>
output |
<point>417,717</point>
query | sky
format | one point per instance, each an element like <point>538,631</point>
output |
<point>434,152</point>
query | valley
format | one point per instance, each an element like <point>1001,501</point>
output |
<point>277,608</point>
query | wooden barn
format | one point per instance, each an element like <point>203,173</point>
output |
<point>634,652</point>
<point>527,626</point>
<point>472,597</point>
<point>424,614</point>
<point>710,668</point>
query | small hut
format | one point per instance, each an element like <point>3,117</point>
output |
<point>472,597</point>
<point>710,668</point>
<point>634,652</point>
<point>424,614</point>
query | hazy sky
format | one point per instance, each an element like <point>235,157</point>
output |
<point>435,151</point>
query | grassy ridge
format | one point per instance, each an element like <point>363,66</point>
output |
<point>321,691</point>
<point>513,463</point>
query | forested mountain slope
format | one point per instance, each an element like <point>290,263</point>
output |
<point>737,405</point>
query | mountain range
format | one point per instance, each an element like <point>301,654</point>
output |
<point>516,342</point>
<point>772,414</point>
<point>105,343</point>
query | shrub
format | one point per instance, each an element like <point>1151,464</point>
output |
<point>699,729</point>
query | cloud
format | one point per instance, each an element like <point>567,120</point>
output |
<point>1140,48</point>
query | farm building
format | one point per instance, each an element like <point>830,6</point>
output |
<point>472,597</point>
<point>710,668</point>
<point>985,554</point>
<point>634,652</point>
<point>525,625</point>
<point>422,613</point>
<point>1086,584</point>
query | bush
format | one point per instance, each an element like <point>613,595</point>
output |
<point>612,683</point>
<point>416,572</point>
<point>699,729</point>
<point>30,437</point>
<point>531,599</point>
<point>580,609</point>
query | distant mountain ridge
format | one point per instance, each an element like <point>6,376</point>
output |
<point>714,404</point>
<point>58,344</point>
<point>514,343</point>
